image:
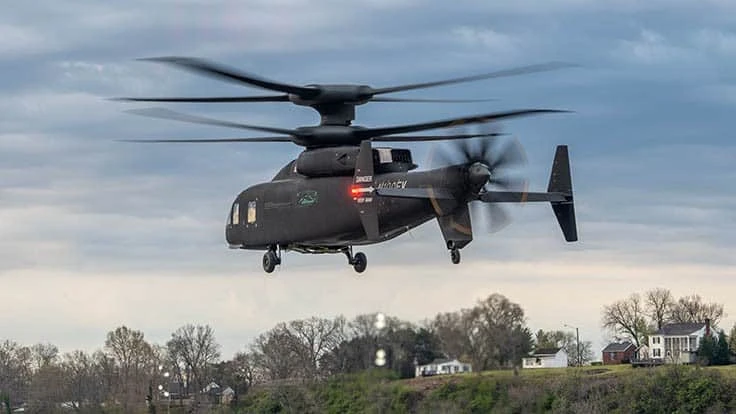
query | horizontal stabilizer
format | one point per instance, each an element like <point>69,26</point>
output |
<point>420,192</point>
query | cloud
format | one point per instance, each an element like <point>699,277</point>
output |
<point>650,48</point>
<point>720,42</point>
<point>20,41</point>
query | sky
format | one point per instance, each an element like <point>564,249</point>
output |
<point>98,233</point>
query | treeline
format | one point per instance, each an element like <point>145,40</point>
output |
<point>128,369</point>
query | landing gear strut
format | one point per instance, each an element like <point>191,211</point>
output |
<point>359,261</point>
<point>271,259</point>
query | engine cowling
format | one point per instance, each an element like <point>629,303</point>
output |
<point>327,162</point>
<point>340,161</point>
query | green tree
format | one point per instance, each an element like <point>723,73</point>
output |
<point>732,340</point>
<point>721,354</point>
<point>707,350</point>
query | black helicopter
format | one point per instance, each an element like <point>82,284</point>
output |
<point>342,192</point>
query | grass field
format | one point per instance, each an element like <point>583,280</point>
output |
<point>600,371</point>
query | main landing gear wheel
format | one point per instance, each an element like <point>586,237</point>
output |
<point>455,256</point>
<point>359,261</point>
<point>270,260</point>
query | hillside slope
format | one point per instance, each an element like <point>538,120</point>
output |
<point>675,389</point>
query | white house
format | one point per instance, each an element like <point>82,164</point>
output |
<point>442,366</point>
<point>678,343</point>
<point>546,358</point>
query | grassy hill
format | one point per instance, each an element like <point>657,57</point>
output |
<point>618,389</point>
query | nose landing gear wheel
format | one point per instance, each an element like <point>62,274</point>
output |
<point>455,256</point>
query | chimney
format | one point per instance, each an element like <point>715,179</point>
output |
<point>707,326</point>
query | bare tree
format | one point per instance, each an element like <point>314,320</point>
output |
<point>194,348</point>
<point>133,360</point>
<point>659,303</point>
<point>554,339</point>
<point>492,334</point>
<point>628,318</point>
<point>313,339</point>
<point>300,348</point>
<point>15,372</point>
<point>454,330</point>
<point>44,355</point>
<point>275,356</point>
<point>47,388</point>
<point>500,336</point>
<point>693,309</point>
<point>84,385</point>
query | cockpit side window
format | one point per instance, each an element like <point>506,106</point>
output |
<point>251,212</point>
<point>235,214</point>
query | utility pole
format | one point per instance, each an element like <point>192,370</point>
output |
<point>577,339</point>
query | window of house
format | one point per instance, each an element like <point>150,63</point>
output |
<point>612,355</point>
<point>251,212</point>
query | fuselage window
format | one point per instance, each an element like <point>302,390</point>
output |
<point>235,217</point>
<point>251,212</point>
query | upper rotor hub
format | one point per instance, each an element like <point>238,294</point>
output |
<point>335,94</point>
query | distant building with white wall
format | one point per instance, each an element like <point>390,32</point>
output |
<point>546,358</point>
<point>442,366</point>
<point>678,343</point>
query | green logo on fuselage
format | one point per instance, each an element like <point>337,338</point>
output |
<point>307,198</point>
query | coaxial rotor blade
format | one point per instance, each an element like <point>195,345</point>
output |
<point>231,74</point>
<point>213,140</point>
<point>375,132</point>
<point>386,99</point>
<point>176,116</point>
<point>269,98</point>
<point>507,72</point>
<point>412,138</point>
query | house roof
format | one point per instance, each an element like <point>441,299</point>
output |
<point>680,328</point>
<point>618,346</point>
<point>546,351</point>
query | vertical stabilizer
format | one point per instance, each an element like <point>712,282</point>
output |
<point>560,181</point>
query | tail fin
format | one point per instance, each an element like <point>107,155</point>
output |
<point>560,181</point>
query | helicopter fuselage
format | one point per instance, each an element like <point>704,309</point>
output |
<point>320,214</point>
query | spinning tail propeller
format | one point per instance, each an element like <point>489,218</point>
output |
<point>490,166</point>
